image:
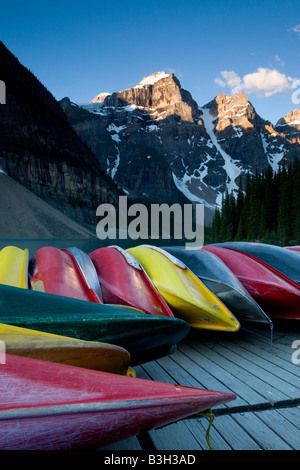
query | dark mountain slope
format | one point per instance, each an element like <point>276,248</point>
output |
<point>39,149</point>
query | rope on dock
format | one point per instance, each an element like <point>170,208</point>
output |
<point>211,420</point>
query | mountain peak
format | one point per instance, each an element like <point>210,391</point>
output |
<point>289,125</point>
<point>197,152</point>
<point>291,119</point>
<point>236,98</point>
<point>146,81</point>
<point>159,95</point>
<point>223,103</point>
<point>151,79</point>
<point>99,98</point>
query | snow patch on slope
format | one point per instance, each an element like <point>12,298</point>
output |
<point>151,79</point>
<point>292,123</point>
<point>100,98</point>
<point>231,168</point>
<point>194,182</point>
<point>182,186</point>
<point>114,170</point>
<point>273,158</point>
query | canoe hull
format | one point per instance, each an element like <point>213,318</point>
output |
<point>49,406</point>
<point>295,249</point>
<point>285,261</point>
<point>186,295</point>
<point>145,337</point>
<point>63,350</point>
<point>132,286</point>
<point>57,272</point>
<point>219,279</point>
<point>88,269</point>
<point>14,267</point>
<point>277,295</point>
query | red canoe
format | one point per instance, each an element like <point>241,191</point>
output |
<point>278,295</point>
<point>293,248</point>
<point>57,272</point>
<point>124,281</point>
<point>49,406</point>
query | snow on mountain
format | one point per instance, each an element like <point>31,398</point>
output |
<point>290,125</point>
<point>231,168</point>
<point>100,98</point>
<point>151,79</point>
<point>273,154</point>
<point>197,152</point>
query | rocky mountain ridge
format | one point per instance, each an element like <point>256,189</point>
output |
<point>155,140</point>
<point>289,125</point>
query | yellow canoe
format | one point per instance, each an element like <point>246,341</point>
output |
<point>14,267</point>
<point>187,296</point>
<point>64,350</point>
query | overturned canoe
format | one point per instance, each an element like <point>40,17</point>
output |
<point>88,269</point>
<point>187,296</point>
<point>278,295</point>
<point>219,279</point>
<point>285,261</point>
<point>63,350</point>
<point>295,249</point>
<point>144,336</point>
<point>14,267</point>
<point>56,271</point>
<point>124,281</point>
<point>47,406</point>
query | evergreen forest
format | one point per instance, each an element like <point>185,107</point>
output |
<point>265,209</point>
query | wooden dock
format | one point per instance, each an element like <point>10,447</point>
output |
<point>263,376</point>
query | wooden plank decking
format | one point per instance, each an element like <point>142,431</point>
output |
<point>266,412</point>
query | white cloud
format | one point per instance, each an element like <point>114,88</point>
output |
<point>296,29</point>
<point>230,78</point>
<point>279,61</point>
<point>263,82</point>
<point>172,70</point>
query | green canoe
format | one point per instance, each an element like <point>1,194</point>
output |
<point>145,337</point>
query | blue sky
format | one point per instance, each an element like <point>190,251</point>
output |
<point>79,49</point>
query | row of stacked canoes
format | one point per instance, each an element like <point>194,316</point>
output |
<point>74,323</point>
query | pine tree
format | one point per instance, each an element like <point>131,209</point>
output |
<point>284,207</point>
<point>215,233</point>
<point>295,203</point>
<point>270,200</point>
<point>268,208</point>
<point>254,209</point>
<point>226,218</point>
